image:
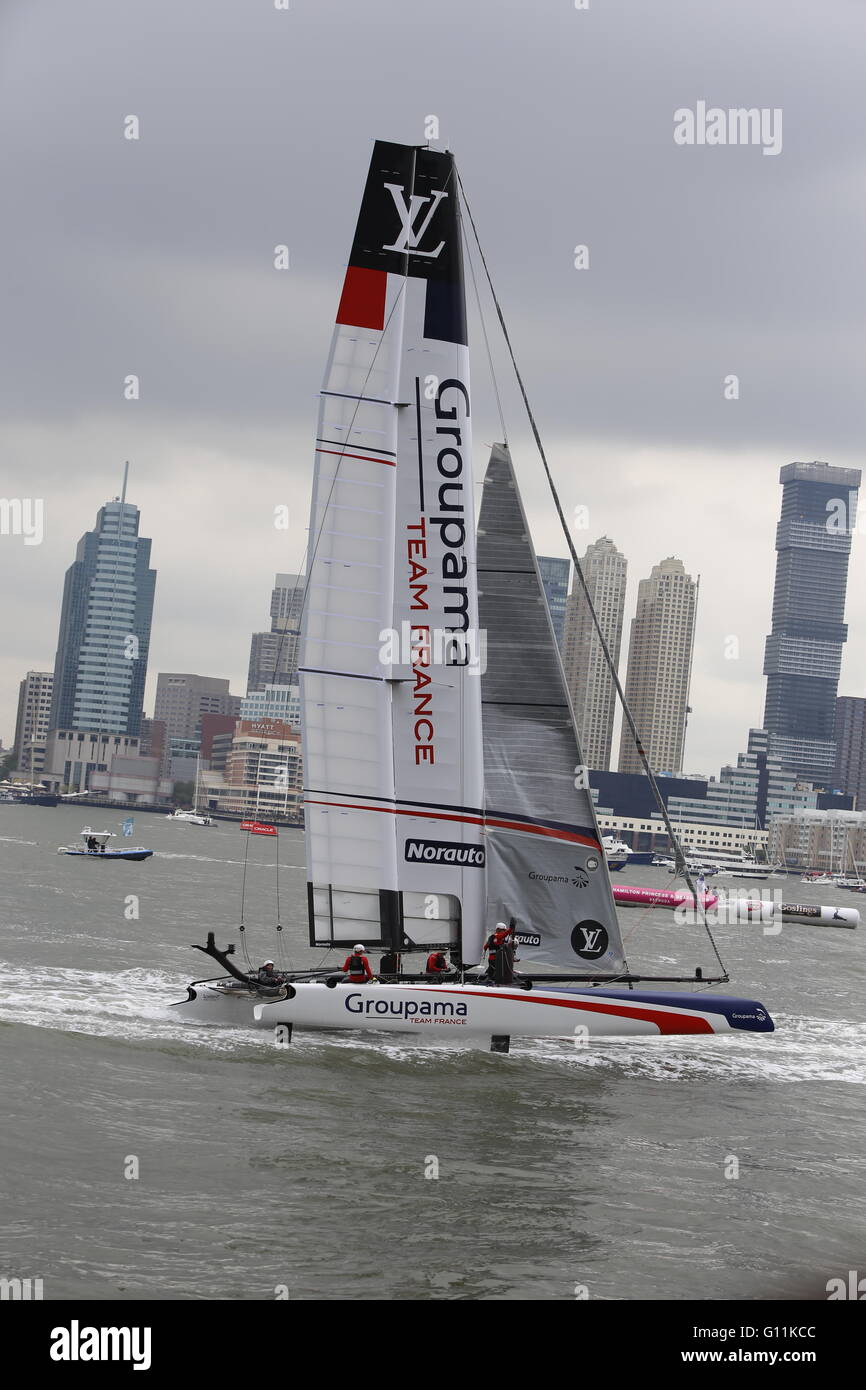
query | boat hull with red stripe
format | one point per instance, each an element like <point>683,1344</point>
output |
<point>466,1010</point>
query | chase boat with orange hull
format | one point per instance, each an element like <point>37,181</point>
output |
<point>443,790</point>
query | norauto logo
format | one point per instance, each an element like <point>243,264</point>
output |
<point>444,852</point>
<point>526,938</point>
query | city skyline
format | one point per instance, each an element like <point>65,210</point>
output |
<point>691,766</point>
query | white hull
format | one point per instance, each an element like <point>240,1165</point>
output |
<point>463,1010</point>
<point>189,818</point>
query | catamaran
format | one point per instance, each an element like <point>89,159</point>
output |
<point>444,789</point>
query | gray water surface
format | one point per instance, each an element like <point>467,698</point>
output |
<point>263,1169</point>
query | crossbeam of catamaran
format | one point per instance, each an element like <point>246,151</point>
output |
<point>441,797</point>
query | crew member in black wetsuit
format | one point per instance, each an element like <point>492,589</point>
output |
<point>268,975</point>
<point>500,955</point>
<point>499,937</point>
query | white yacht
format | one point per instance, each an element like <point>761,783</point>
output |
<point>617,853</point>
<point>195,816</point>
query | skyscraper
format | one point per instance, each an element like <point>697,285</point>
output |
<point>803,654</point>
<point>554,576</point>
<point>274,654</point>
<point>660,668</point>
<point>102,649</point>
<point>849,774</point>
<point>589,681</point>
<point>31,725</point>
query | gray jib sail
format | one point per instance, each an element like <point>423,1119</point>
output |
<point>546,867</point>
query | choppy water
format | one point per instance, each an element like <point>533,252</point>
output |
<point>601,1166</point>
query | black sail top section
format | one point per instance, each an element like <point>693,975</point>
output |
<point>409,225</point>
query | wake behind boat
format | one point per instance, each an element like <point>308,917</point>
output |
<point>443,790</point>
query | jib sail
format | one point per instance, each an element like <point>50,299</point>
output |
<point>545,862</point>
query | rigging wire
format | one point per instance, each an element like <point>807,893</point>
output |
<point>483,321</point>
<point>627,714</point>
<point>242,928</point>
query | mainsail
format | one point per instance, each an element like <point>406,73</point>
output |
<point>390,707</point>
<point>546,867</point>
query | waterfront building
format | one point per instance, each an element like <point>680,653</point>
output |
<point>281,702</point>
<point>832,841</point>
<point>262,775</point>
<point>32,723</point>
<point>182,699</point>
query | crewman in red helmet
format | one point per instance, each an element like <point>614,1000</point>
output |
<point>499,937</point>
<point>437,964</point>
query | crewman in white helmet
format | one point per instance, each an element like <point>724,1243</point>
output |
<point>357,966</point>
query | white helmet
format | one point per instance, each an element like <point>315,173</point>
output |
<point>358,947</point>
<point>266,962</point>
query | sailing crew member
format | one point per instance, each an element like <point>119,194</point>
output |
<point>357,966</point>
<point>499,937</point>
<point>437,964</point>
<point>268,975</point>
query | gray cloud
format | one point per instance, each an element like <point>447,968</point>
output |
<point>155,257</point>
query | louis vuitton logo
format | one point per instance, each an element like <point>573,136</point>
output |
<point>410,236</point>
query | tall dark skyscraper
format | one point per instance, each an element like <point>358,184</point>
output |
<point>803,654</point>
<point>850,772</point>
<point>101,663</point>
<point>554,577</point>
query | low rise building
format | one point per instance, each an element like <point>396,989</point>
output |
<point>263,772</point>
<point>832,841</point>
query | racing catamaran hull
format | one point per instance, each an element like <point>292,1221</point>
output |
<point>464,1010</point>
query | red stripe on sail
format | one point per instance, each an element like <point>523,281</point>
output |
<point>567,835</point>
<point>365,458</point>
<point>362,304</point>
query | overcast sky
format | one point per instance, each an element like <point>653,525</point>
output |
<point>155,257</point>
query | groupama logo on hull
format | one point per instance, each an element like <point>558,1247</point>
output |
<point>405,1008</point>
